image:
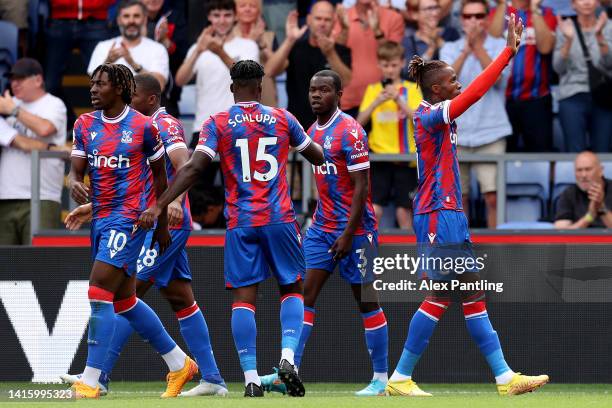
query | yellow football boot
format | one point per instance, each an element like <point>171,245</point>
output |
<point>520,384</point>
<point>177,379</point>
<point>406,388</point>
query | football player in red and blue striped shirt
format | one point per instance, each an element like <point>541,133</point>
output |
<point>118,145</point>
<point>169,271</point>
<point>439,222</point>
<point>344,228</point>
<point>253,143</point>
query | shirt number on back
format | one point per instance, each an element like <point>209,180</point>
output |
<point>243,144</point>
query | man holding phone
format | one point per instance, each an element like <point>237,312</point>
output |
<point>387,106</point>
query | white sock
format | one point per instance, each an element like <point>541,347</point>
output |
<point>251,376</point>
<point>504,378</point>
<point>287,354</point>
<point>397,376</point>
<point>91,376</point>
<point>175,359</point>
<point>382,377</point>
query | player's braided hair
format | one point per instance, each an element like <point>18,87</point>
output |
<point>421,71</point>
<point>246,70</point>
<point>120,76</point>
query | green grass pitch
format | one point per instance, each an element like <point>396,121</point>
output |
<point>146,394</point>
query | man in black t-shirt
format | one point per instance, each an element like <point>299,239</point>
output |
<point>588,202</point>
<point>305,51</point>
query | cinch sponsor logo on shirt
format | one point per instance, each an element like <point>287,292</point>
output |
<point>247,117</point>
<point>325,168</point>
<point>114,162</point>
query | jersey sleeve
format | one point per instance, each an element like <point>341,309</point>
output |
<point>172,134</point>
<point>78,147</point>
<point>297,136</point>
<point>152,143</point>
<point>208,141</point>
<point>436,115</point>
<point>355,148</point>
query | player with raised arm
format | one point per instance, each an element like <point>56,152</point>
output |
<point>441,226</point>
<point>253,143</point>
<point>115,143</point>
<point>344,228</point>
<point>169,271</point>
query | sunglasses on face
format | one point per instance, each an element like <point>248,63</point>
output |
<point>430,9</point>
<point>477,16</point>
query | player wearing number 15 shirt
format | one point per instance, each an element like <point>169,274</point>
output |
<point>253,142</point>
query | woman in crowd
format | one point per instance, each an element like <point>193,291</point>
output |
<point>579,114</point>
<point>250,24</point>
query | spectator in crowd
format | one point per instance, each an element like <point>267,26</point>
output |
<point>73,25</point>
<point>362,28</point>
<point>484,127</point>
<point>586,204</point>
<point>209,60</point>
<point>166,24</point>
<point>579,114</point>
<point>16,11</point>
<point>36,114</point>
<point>306,51</point>
<point>388,106</point>
<point>132,48</point>
<point>250,24</point>
<point>528,99</point>
<point>429,37</point>
<point>275,14</point>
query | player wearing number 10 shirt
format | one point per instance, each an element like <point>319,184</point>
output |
<point>253,143</point>
<point>120,147</point>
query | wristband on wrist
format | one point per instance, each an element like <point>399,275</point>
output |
<point>588,217</point>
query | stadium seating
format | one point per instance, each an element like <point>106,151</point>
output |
<point>527,190</point>
<point>563,178</point>
<point>520,225</point>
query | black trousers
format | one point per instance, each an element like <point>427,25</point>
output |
<point>532,125</point>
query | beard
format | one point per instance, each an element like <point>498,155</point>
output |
<point>130,34</point>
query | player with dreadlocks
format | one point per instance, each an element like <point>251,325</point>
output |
<point>253,143</point>
<point>115,143</point>
<point>441,227</point>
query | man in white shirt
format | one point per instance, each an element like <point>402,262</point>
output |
<point>210,59</point>
<point>132,48</point>
<point>40,117</point>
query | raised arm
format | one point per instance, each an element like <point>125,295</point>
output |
<point>277,62</point>
<point>489,76</point>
